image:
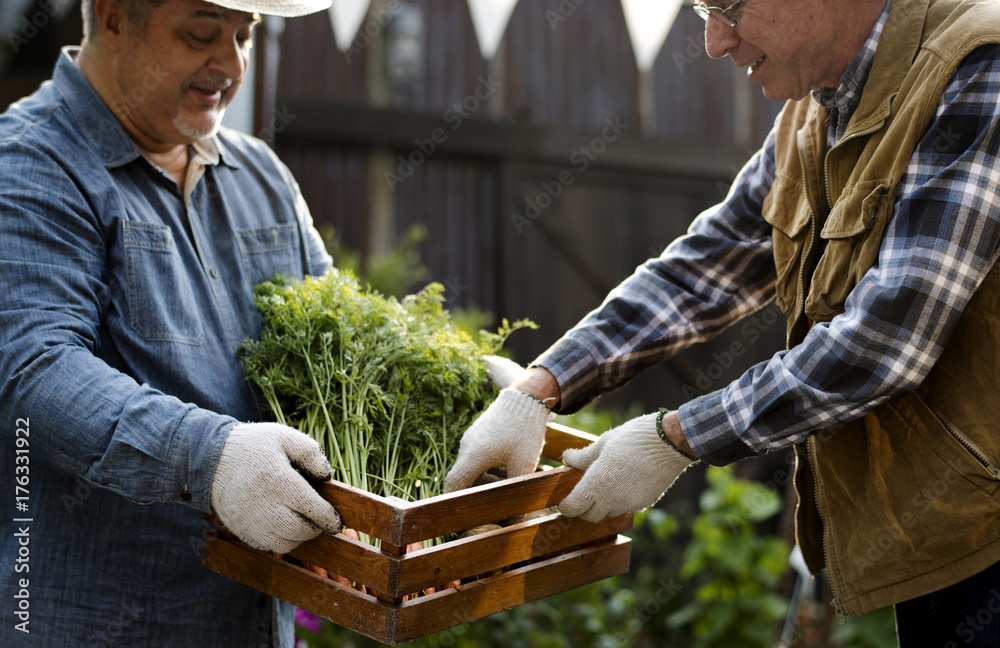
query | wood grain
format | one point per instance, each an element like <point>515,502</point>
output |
<point>393,624</point>
<point>491,595</point>
<point>353,559</point>
<point>486,553</point>
<point>559,439</point>
<point>399,523</point>
<point>341,604</point>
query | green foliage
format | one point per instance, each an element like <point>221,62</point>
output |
<point>396,272</point>
<point>877,629</point>
<point>393,273</point>
<point>386,387</point>
<point>734,571</point>
<point>597,420</point>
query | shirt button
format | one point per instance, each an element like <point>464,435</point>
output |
<point>214,273</point>
<point>186,495</point>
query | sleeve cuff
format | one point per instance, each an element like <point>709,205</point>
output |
<point>576,371</point>
<point>710,433</point>
<point>195,455</point>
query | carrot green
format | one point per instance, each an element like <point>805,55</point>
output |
<point>385,386</point>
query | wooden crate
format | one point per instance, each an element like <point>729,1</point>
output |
<point>499,569</point>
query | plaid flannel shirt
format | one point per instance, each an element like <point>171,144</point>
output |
<point>941,243</point>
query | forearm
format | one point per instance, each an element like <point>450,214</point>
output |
<point>95,422</point>
<point>720,271</point>
<point>672,430</point>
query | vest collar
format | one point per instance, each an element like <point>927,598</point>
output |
<point>896,50</point>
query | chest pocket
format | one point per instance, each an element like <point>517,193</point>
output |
<point>853,237</point>
<point>161,302</point>
<point>267,251</point>
<point>786,210</point>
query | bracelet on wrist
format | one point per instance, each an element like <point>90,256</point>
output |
<point>663,435</point>
<point>540,400</point>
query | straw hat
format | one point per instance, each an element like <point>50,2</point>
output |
<point>286,8</point>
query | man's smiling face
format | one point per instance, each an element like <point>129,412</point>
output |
<point>187,65</point>
<point>788,47</point>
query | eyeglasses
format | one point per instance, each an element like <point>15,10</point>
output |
<point>726,14</point>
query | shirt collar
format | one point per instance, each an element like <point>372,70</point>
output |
<point>209,151</point>
<point>843,100</point>
<point>100,126</point>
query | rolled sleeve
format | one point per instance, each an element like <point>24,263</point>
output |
<point>709,431</point>
<point>575,369</point>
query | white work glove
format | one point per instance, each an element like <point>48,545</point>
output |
<point>510,433</point>
<point>261,497</point>
<point>627,469</point>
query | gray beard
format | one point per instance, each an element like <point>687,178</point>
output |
<point>195,133</point>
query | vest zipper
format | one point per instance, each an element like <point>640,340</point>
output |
<point>809,244</point>
<point>838,607</point>
<point>967,443</point>
<point>837,602</point>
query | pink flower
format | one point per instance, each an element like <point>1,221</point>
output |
<point>307,620</point>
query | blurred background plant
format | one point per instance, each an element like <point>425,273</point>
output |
<point>393,273</point>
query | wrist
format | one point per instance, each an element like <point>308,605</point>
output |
<point>541,385</point>
<point>668,426</point>
<point>546,402</point>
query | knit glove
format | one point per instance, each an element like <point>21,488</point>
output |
<point>261,497</point>
<point>627,469</point>
<point>510,433</point>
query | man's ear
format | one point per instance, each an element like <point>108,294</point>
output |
<point>111,21</point>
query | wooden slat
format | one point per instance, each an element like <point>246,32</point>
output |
<point>336,124</point>
<point>353,559</point>
<point>342,605</point>
<point>363,511</point>
<point>452,607</point>
<point>456,512</point>
<point>559,439</point>
<point>462,558</point>
<point>400,523</point>
<point>483,554</point>
<point>418,617</point>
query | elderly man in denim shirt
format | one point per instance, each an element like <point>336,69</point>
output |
<point>132,232</point>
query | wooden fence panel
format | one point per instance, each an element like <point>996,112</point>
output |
<point>572,69</point>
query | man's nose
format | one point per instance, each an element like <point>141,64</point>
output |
<point>720,38</point>
<point>231,58</point>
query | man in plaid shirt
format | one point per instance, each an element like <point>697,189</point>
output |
<point>871,215</point>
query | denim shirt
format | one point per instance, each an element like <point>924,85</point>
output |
<point>122,308</point>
